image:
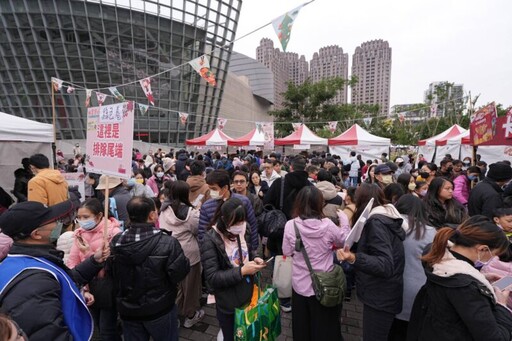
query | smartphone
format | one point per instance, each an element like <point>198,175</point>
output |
<point>269,260</point>
<point>503,283</point>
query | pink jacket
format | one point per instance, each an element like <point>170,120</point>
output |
<point>320,238</point>
<point>87,242</point>
<point>151,182</point>
<point>461,189</point>
<point>502,269</point>
<point>5,245</point>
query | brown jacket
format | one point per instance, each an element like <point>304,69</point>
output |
<point>48,187</point>
<point>198,186</point>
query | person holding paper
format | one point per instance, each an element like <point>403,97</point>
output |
<point>378,262</point>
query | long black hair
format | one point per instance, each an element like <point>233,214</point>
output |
<point>229,213</point>
<point>414,208</point>
<point>451,211</point>
<point>364,194</point>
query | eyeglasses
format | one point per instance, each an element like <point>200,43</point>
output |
<point>21,334</point>
<point>239,182</point>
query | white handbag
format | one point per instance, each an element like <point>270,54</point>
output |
<point>282,278</point>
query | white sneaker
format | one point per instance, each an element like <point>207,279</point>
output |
<point>198,316</point>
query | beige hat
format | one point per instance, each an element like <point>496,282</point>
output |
<point>168,163</point>
<point>112,182</point>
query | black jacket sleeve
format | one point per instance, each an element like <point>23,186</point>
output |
<point>36,293</point>
<point>216,276</point>
<point>84,272</point>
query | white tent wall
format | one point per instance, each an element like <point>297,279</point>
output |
<point>441,151</point>
<point>367,152</point>
<point>427,151</point>
<point>11,154</point>
<point>466,151</point>
<point>492,154</point>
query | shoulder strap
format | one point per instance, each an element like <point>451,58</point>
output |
<point>281,195</point>
<point>299,246</point>
<point>240,251</point>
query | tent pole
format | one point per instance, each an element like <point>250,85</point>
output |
<point>54,144</point>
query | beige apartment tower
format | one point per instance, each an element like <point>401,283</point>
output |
<point>330,62</point>
<point>371,63</point>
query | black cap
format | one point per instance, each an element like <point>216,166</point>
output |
<point>382,169</point>
<point>23,218</point>
<point>500,172</point>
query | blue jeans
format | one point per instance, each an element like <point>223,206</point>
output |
<point>353,181</point>
<point>164,328</point>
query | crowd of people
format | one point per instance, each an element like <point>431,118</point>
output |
<point>189,225</point>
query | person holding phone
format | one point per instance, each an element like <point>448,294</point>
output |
<point>458,302</point>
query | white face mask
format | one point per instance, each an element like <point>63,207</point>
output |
<point>237,229</point>
<point>387,179</point>
<point>412,186</point>
<point>214,194</point>
<point>160,174</point>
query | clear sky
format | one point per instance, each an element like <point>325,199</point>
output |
<point>461,41</point>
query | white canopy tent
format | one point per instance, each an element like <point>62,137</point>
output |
<point>20,138</point>
<point>360,140</point>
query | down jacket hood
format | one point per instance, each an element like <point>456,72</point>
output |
<point>196,182</point>
<point>51,175</point>
<point>328,189</point>
<point>390,216</point>
<point>137,252</point>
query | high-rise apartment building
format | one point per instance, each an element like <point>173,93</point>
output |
<point>444,97</point>
<point>298,68</point>
<point>329,62</point>
<point>371,63</point>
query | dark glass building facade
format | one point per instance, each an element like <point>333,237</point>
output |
<point>105,43</point>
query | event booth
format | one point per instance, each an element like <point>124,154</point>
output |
<point>360,140</point>
<point>214,138</point>
<point>255,137</point>
<point>427,147</point>
<point>19,138</point>
<point>302,138</point>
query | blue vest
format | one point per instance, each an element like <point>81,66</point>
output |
<point>75,311</point>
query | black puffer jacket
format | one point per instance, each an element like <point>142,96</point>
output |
<point>231,289</point>
<point>146,274</point>
<point>293,183</point>
<point>438,215</point>
<point>380,261</point>
<point>32,299</point>
<point>457,307</point>
<point>485,198</point>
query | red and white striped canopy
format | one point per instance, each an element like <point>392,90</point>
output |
<point>214,138</point>
<point>254,138</point>
<point>458,139</point>
<point>303,135</point>
<point>356,135</point>
<point>448,133</point>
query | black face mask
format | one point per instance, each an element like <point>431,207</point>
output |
<point>424,175</point>
<point>400,164</point>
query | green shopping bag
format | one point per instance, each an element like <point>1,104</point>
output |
<point>261,321</point>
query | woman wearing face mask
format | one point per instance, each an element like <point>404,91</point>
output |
<point>156,182</point>
<point>137,185</point>
<point>89,238</point>
<point>462,184</point>
<point>458,302</point>
<point>428,172</point>
<point>421,189</point>
<point>466,163</point>
<point>227,264</point>
<point>407,181</point>
<point>442,207</point>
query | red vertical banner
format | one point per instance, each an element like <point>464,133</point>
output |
<point>110,139</point>
<point>483,125</point>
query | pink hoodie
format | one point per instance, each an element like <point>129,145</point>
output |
<point>87,242</point>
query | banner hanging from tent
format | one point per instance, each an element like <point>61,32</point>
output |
<point>483,125</point>
<point>268,132</point>
<point>110,139</point>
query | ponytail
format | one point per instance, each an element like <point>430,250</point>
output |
<point>439,245</point>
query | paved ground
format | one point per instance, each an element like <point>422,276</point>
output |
<point>208,328</point>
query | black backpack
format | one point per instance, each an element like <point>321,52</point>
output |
<point>271,224</point>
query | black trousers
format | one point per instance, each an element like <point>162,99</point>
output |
<point>227,324</point>
<point>376,324</point>
<point>311,321</point>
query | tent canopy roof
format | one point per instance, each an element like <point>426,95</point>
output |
<point>356,135</point>
<point>14,128</point>
<point>303,135</point>
<point>457,139</point>
<point>254,138</point>
<point>448,133</point>
<point>214,138</point>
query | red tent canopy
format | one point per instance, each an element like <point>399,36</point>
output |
<point>356,135</point>
<point>254,138</point>
<point>214,138</point>
<point>303,135</point>
<point>448,133</point>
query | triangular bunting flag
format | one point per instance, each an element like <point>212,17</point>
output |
<point>116,94</point>
<point>401,118</point>
<point>70,90</point>
<point>221,122</point>
<point>183,118</point>
<point>283,26</point>
<point>57,84</point>
<point>202,66</point>
<point>296,126</point>
<point>433,110</point>
<point>143,109</point>
<point>367,121</point>
<point>88,94</point>
<point>332,126</point>
<point>146,87</point>
<point>101,98</point>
